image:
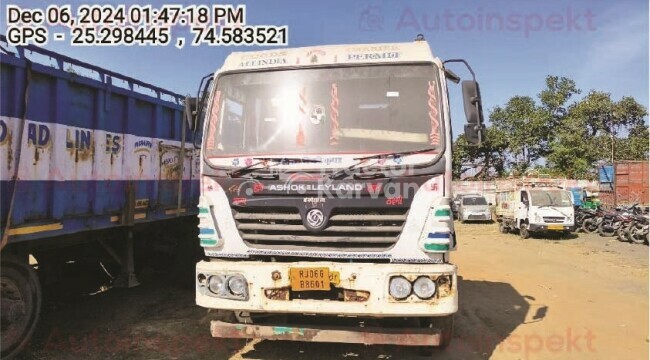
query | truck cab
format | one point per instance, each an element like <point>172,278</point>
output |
<point>325,192</point>
<point>533,210</point>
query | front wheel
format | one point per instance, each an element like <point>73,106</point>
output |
<point>21,304</point>
<point>523,231</point>
<point>589,225</point>
<point>638,233</point>
<point>622,234</point>
<point>606,229</point>
<point>503,228</point>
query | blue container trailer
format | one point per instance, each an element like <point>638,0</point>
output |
<point>86,156</point>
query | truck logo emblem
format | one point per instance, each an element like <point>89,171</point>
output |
<point>315,219</point>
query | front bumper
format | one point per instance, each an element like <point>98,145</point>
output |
<point>359,335</point>
<point>370,278</point>
<point>560,227</point>
<point>477,217</point>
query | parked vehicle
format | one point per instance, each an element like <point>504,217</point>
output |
<point>296,222</point>
<point>474,208</point>
<point>588,219</point>
<point>585,198</point>
<point>91,171</point>
<point>637,231</point>
<point>609,223</point>
<point>455,204</point>
<point>533,208</point>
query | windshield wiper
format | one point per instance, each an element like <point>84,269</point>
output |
<point>362,160</point>
<point>264,161</point>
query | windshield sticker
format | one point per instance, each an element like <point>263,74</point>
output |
<point>302,107</point>
<point>317,115</point>
<point>334,115</point>
<point>392,94</point>
<point>434,136</point>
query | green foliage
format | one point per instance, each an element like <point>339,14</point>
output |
<point>485,157</point>
<point>557,135</point>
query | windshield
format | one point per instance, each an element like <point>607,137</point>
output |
<point>347,110</point>
<point>474,201</point>
<point>550,198</point>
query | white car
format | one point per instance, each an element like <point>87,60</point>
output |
<point>474,208</point>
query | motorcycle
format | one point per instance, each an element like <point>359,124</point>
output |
<point>609,223</point>
<point>637,231</point>
<point>587,220</point>
<point>625,221</point>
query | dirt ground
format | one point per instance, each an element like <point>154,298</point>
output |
<point>579,298</point>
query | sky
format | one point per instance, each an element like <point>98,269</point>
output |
<point>511,45</point>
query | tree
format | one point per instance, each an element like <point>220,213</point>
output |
<point>592,131</point>
<point>555,97</point>
<point>635,146</point>
<point>527,127</point>
<point>486,157</point>
<point>559,134</point>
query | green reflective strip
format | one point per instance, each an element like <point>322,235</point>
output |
<point>436,247</point>
<point>204,211</point>
<point>208,242</point>
<point>443,212</point>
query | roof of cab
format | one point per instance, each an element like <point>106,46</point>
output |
<point>416,51</point>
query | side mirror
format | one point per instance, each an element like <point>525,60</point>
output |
<point>489,204</point>
<point>474,129</point>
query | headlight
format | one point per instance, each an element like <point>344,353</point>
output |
<point>424,287</point>
<point>399,288</point>
<point>217,284</point>
<point>238,285</point>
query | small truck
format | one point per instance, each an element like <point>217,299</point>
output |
<point>531,207</point>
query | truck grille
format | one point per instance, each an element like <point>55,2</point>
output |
<point>478,217</point>
<point>347,229</point>
<point>553,219</point>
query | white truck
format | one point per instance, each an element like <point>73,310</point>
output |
<point>534,207</point>
<point>325,190</point>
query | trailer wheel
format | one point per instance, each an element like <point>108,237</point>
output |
<point>523,231</point>
<point>21,304</point>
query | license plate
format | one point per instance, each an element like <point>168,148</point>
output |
<point>310,279</point>
<point>556,227</point>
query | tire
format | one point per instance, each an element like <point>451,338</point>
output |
<point>622,233</point>
<point>605,232</point>
<point>503,228</point>
<point>589,225</point>
<point>446,326</point>
<point>21,298</point>
<point>636,234</point>
<point>523,231</point>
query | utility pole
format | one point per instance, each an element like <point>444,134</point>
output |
<point>612,153</point>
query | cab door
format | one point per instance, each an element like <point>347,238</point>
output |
<point>522,207</point>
